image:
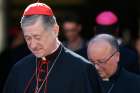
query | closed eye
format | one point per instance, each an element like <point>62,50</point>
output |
<point>37,37</point>
<point>27,38</point>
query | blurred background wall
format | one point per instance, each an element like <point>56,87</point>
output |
<point>2,26</point>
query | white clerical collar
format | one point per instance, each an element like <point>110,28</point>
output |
<point>106,79</point>
<point>43,58</point>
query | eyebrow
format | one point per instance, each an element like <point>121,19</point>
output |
<point>36,35</point>
<point>97,60</point>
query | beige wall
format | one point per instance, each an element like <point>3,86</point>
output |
<point>2,35</point>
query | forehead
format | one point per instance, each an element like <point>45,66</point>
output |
<point>69,24</point>
<point>36,28</point>
<point>99,49</point>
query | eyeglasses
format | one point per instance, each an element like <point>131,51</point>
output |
<point>99,62</point>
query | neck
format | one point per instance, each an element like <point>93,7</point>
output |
<point>56,45</point>
<point>114,72</point>
<point>105,79</point>
<point>75,44</point>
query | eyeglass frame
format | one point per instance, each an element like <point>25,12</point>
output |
<point>100,62</point>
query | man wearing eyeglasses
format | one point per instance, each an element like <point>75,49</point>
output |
<point>103,52</point>
<point>107,22</point>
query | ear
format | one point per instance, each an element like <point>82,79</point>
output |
<point>118,56</point>
<point>56,29</point>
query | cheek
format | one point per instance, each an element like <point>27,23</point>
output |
<point>69,34</point>
<point>47,42</point>
<point>108,69</point>
<point>105,70</point>
<point>99,69</point>
<point>41,45</point>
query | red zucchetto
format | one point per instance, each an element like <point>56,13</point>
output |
<point>38,9</point>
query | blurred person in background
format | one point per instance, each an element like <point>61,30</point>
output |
<point>74,41</point>
<point>17,45</point>
<point>137,46</point>
<point>15,50</point>
<point>103,52</point>
<point>126,37</point>
<point>107,22</point>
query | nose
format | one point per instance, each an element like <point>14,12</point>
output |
<point>97,67</point>
<point>32,44</point>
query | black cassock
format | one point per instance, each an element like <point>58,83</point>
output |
<point>122,82</point>
<point>70,74</point>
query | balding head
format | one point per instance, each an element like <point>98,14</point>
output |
<point>105,38</point>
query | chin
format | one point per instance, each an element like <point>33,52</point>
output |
<point>38,55</point>
<point>101,75</point>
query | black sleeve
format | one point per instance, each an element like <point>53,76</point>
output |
<point>94,79</point>
<point>11,82</point>
<point>86,81</point>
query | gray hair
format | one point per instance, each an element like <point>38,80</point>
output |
<point>107,38</point>
<point>47,21</point>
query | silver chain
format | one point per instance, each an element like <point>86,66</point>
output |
<point>37,90</point>
<point>110,89</point>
